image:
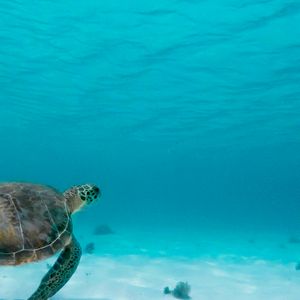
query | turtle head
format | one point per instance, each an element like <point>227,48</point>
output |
<point>80,195</point>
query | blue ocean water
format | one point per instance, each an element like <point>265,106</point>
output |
<point>185,113</point>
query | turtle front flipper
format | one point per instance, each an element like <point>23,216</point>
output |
<point>60,273</point>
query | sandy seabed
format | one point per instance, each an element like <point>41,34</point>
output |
<point>141,278</point>
<point>137,266</point>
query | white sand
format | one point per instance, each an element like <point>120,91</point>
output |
<point>140,277</point>
<point>138,264</point>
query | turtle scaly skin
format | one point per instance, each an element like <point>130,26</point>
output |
<point>60,273</point>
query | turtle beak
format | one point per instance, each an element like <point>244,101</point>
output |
<point>97,191</point>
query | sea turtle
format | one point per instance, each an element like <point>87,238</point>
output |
<point>35,223</point>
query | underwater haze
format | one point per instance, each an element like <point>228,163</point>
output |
<point>187,116</point>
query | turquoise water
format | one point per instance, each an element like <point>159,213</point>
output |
<point>185,113</point>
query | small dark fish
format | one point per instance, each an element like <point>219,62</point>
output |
<point>294,240</point>
<point>103,230</point>
<point>282,246</point>
<point>90,248</point>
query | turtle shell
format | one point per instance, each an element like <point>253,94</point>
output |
<point>34,222</point>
